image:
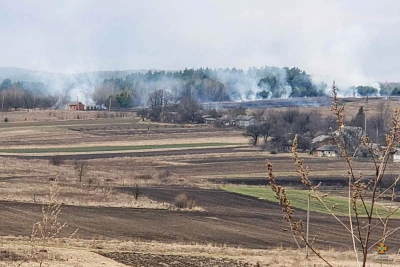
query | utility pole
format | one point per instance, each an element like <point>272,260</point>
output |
<point>308,221</point>
<point>111,96</point>
<point>34,100</point>
<point>365,118</point>
<point>365,122</point>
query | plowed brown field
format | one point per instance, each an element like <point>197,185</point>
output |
<point>229,219</point>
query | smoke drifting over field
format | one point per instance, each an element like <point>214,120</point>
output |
<point>66,87</point>
<point>205,85</point>
<point>208,85</point>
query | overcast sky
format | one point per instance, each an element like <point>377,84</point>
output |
<point>356,41</point>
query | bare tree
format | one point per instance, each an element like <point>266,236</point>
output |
<point>105,95</point>
<point>80,167</point>
<point>379,122</point>
<point>266,130</point>
<point>253,131</point>
<point>188,108</point>
<point>157,102</point>
<point>142,113</point>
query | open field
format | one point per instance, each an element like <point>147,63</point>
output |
<point>352,104</point>
<point>108,148</point>
<point>228,219</point>
<point>125,156</point>
<point>232,230</point>
<point>43,117</point>
<point>86,253</point>
<point>299,201</point>
<point>139,134</point>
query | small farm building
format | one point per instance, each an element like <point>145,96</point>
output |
<point>396,155</point>
<point>209,120</point>
<point>243,120</point>
<point>227,120</point>
<point>76,106</point>
<point>328,151</point>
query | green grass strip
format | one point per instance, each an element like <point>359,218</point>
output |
<point>298,200</point>
<point>110,148</point>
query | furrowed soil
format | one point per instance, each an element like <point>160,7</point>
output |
<point>154,260</point>
<point>228,220</point>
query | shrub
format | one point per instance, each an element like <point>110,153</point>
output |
<point>5,119</point>
<point>164,175</point>
<point>191,203</point>
<point>56,160</point>
<point>136,192</point>
<point>91,181</point>
<point>181,201</point>
<point>7,255</point>
<point>146,176</point>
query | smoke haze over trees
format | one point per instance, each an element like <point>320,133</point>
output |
<point>125,89</point>
<point>25,95</point>
<point>207,85</point>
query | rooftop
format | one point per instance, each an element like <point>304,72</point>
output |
<point>75,103</point>
<point>244,118</point>
<point>328,148</point>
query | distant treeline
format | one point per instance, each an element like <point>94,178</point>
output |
<point>122,90</point>
<point>392,88</point>
<point>385,89</point>
<point>25,95</point>
<point>208,85</point>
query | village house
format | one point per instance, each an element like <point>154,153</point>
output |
<point>321,140</point>
<point>209,120</point>
<point>396,155</point>
<point>227,120</point>
<point>76,106</point>
<point>244,120</point>
<point>328,151</point>
<point>170,117</point>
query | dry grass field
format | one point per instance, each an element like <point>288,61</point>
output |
<point>87,253</point>
<point>125,199</point>
<point>373,106</point>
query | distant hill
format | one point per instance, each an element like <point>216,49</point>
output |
<point>94,77</point>
<point>66,86</point>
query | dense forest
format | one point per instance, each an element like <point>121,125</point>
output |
<point>207,85</point>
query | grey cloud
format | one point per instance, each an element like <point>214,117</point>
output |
<point>353,42</point>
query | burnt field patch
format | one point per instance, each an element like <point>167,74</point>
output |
<point>159,260</point>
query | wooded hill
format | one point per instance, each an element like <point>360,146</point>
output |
<point>21,88</point>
